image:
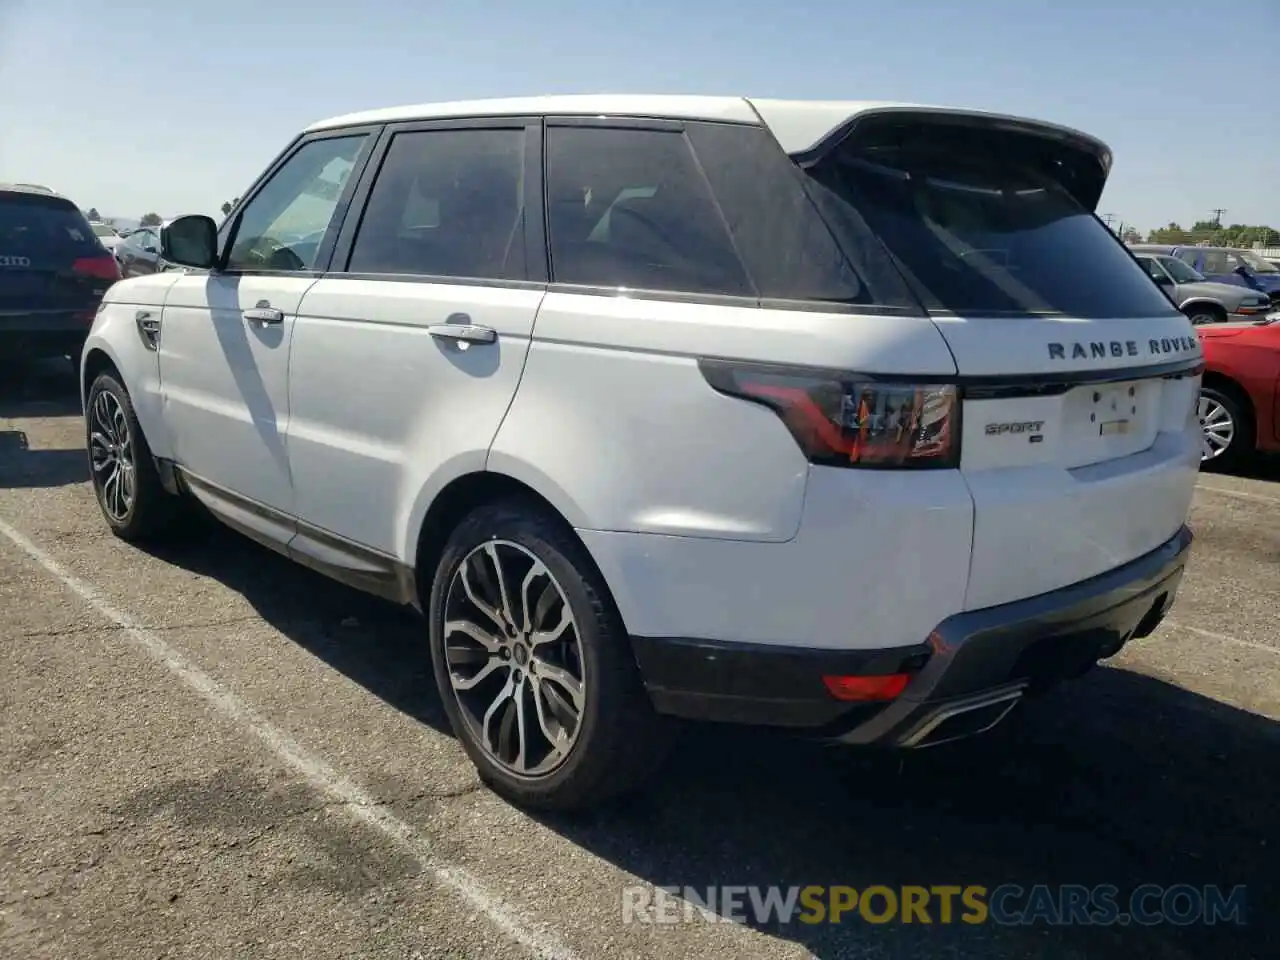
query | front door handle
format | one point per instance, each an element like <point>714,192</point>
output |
<point>463,330</point>
<point>264,314</point>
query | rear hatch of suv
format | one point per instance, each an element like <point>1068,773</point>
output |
<point>1078,376</point>
<point>53,270</point>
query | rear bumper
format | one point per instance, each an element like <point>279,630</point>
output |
<point>44,334</point>
<point>973,668</point>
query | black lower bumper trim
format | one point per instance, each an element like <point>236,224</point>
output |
<point>972,670</point>
<point>758,683</point>
<point>64,340</point>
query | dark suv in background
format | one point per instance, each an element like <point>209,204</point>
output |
<point>53,273</point>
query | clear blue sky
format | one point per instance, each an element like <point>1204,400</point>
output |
<point>174,106</point>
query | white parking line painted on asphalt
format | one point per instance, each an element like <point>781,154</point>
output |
<point>359,805</point>
<point>1243,495</point>
<point>1222,637</point>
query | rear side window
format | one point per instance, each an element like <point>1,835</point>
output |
<point>631,208</point>
<point>979,224</point>
<point>42,225</point>
<point>789,251</point>
<point>447,203</point>
<point>1215,261</point>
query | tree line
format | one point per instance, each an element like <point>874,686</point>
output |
<point>1214,234</point>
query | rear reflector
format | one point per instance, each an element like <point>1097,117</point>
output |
<point>884,687</point>
<point>104,267</point>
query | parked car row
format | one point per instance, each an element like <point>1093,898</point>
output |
<point>1201,299</point>
<point>1240,268</point>
<point>1233,299</point>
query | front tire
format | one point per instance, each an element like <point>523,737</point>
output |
<point>125,481</point>
<point>1226,428</point>
<point>1200,314</point>
<point>534,666</point>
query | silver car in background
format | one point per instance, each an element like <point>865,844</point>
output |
<point>1204,301</point>
<point>108,236</point>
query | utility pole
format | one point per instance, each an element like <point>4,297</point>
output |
<point>1217,216</point>
<point>1108,219</point>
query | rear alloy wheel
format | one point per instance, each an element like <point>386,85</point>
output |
<point>533,665</point>
<point>1223,425</point>
<point>515,666</point>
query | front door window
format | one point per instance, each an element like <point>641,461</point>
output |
<point>281,228</point>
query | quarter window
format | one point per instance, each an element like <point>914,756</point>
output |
<point>447,203</point>
<point>630,208</point>
<point>282,226</point>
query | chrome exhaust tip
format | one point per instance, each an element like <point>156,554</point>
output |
<point>965,718</point>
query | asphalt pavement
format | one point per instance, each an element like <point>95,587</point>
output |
<point>206,751</point>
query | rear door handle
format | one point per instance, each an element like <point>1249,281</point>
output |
<point>264,313</point>
<point>460,328</point>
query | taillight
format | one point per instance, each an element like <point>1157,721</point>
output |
<point>103,267</point>
<point>848,419</point>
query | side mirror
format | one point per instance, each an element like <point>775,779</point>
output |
<point>190,241</point>
<point>1163,280</point>
<point>1243,270</point>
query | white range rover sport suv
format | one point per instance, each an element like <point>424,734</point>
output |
<point>845,417</point>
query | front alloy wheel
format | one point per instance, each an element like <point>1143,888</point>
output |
<point>111,456</point>
<point>121,468</point>
<point>1218,425</point>
<point>514,658</point>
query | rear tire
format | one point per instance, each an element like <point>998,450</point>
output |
<point>125,481</point>
<point>1227,428</point>
<point>558,724</point>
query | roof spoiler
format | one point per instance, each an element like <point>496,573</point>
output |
<point>1092,153</point>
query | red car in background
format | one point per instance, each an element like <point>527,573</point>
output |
<point>1240,397</point>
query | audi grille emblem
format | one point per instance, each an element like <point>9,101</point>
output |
<point>15,262</point>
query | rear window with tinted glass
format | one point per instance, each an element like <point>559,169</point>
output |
<point>979,224</point>
<point>630,208</point>
<point>36,224</point>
